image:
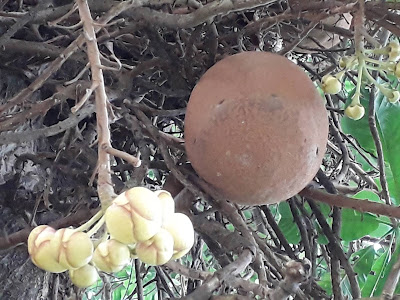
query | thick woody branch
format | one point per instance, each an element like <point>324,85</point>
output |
<point>357,204</point>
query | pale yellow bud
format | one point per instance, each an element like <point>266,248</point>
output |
<point>135,215</point>
<point>347,62</point>
<point>158,250</point>
<point>42,255</point>
<point>167,204</point>
<point>355,111</point>
<point>74,248</point>
<point>84,276</point>
<point>111,256</point>
<point>394,97</point>
<point>397,70</point>
<point>181,229</point>
<point>394,51</point>
<point>330,84</point>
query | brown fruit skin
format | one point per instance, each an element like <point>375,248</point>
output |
<point>256,128</point>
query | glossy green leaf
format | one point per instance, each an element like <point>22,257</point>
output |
<point>322,239</point>
<point>287,224</point>
<point>388,125</point>
<point>376,274</point>
<point>326,283</point>
<point>388,119</point>
<point>394,257</point>
<point>356,225</point>
<point>384,223</point>
<point>362,263</point>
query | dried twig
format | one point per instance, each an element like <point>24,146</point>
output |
<point>233,269</point>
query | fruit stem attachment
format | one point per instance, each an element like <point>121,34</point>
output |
<point>97,226</point>
<point>392,96</point>
<point>357,95</point>
<point>90,222</point>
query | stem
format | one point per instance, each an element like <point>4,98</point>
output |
<point>383,90</point>
<point>357,95</point>
<point>89,223</point>
<point>97,226</point>
<point>104,183</point>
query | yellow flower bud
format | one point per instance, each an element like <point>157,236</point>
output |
<point>330,84</point>
<point>397,70</point>
<point>42,255</point>
<point>355,111</point>
<point>74,248</point>
<point>181,229</point>
<point>84,276</point>
<point>394,51</point>
<point>347,62</point>
<point>394,97</point>
<point>167,204</point>
<point>111,256</point>
<point>134,216</point>
<point>158,250</point>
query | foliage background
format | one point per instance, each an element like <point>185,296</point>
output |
<point>156,51</point>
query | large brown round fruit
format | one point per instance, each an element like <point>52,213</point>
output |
<point>256,128</point>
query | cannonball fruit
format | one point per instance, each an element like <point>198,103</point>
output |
<point>256,128</point>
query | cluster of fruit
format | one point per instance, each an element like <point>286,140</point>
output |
<point>140,224</point>
<point>363,63</point>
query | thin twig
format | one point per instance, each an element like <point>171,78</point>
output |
<point>139,282</point>
<point>335,247</point>
<point>233,269</point>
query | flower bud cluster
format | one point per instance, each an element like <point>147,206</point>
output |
<point>64,249</point>
<point>146,221</point>
<point>363,63</point>
<point>141,223</point>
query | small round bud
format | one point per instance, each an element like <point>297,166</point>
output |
<point>330,84</point>
<point>84,276</point>
<point>42,255</point>
<point>158,250</point>
<point>394,97</point>
<point>111,256</point>
<point>355,111</point>
<point>394,51</point>
<point>74,248</point>
<point>181,229</point>
<point>397,70</point>
<point>167,204</point>
<point>347,62</point>
<point>135,215</point>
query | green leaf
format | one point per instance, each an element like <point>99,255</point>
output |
<point>394,258</point>
<point>388,125</point>
<point>356,225</point>
<point>362,161</point>
<point>363,261</point>
<point>117,294</point>
<point>322,239</point>
<point>326,283</point>
<point>388,119</point>
<point>288,225</point>
<point>375,275</point>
